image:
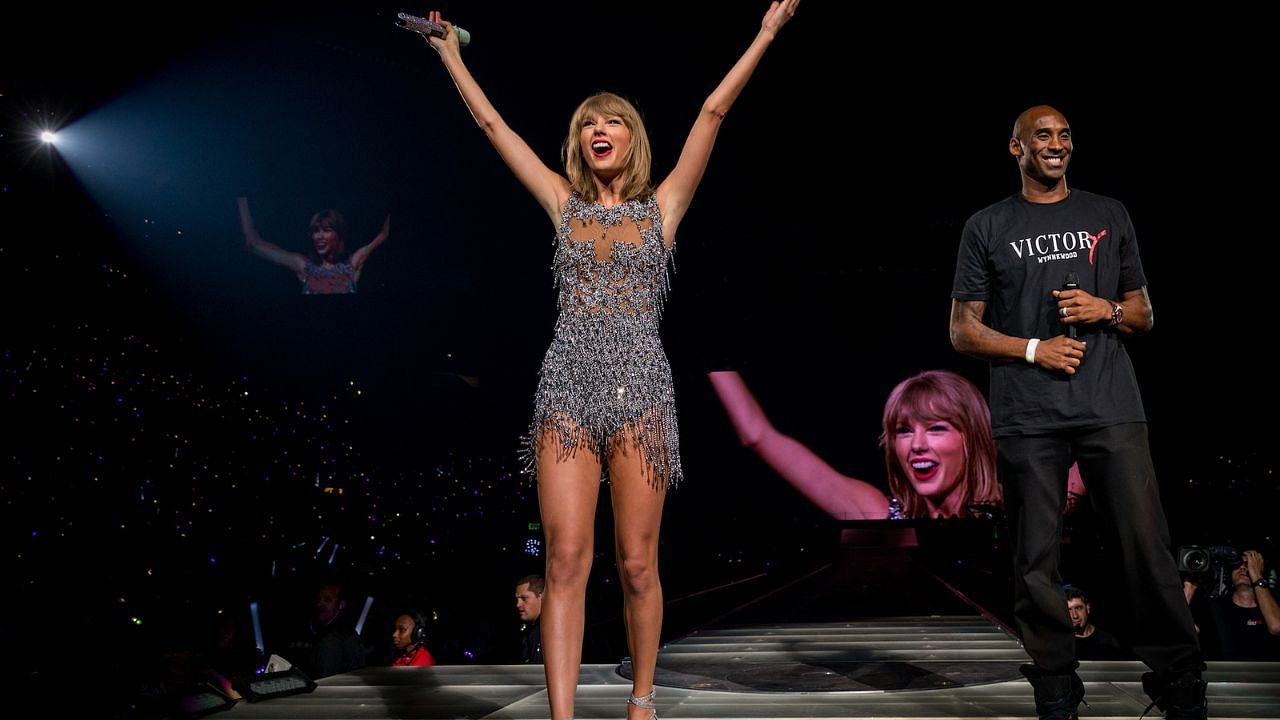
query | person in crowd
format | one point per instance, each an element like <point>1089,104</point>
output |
<point>409,641</point>
<point>529,608</point>
<point>1092,642</point>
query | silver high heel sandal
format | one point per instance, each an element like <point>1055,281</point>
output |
<point>645,702</point>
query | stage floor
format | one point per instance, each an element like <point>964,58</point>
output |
<point>940,666</point>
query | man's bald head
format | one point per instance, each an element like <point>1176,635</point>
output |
<point>1041,143</point>
<point>1034,117</point>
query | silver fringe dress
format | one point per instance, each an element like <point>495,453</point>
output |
<point>605,383</point>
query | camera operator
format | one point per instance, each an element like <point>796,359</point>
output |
<point>1247,620</point>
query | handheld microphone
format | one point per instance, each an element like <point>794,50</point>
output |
<point>425,27</point>
<point>1072,282</point>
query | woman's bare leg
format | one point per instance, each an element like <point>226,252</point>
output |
<point>637,517</point>
<point>568,488</point>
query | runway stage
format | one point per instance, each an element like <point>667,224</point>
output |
<point>897,667</point>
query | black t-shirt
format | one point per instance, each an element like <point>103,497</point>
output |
<point>329,650</point>
<point>1012,256</point>
<point>531,643</point>
<point>1243,632</point>
<point>1100,645</point>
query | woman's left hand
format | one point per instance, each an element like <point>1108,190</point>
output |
<point>778,15</point>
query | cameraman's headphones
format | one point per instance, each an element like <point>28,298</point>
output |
<point>419,636</point>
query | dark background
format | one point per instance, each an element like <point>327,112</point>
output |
<point>183,430</point>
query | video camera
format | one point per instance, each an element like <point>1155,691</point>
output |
<point>1216,561</point>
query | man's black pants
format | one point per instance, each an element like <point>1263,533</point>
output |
<point>1115,463</point>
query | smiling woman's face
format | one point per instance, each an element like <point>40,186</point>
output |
<point>931,455</point>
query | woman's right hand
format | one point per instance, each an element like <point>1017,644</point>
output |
<point>778,14</point>
<point>447,44</point>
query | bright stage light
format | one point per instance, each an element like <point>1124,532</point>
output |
<point>48,137</point>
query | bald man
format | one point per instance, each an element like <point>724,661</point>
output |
<point>1048,283</point>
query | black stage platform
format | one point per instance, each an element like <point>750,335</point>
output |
<point>1236,690</point>
<point>909,653</point>
<point>874,634</point>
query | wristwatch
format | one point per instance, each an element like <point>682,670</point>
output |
<point>1117,313</point>
<point>1262,583</point>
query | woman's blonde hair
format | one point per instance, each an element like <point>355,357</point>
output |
<point>639,158</point>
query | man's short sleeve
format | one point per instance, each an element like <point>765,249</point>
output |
<point>973,269</point>
<point>1131,275</point>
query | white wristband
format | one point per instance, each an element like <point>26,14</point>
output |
<point>1030,355</point>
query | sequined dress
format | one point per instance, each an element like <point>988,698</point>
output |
<point>605,380</point>
<point>336,279</point>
